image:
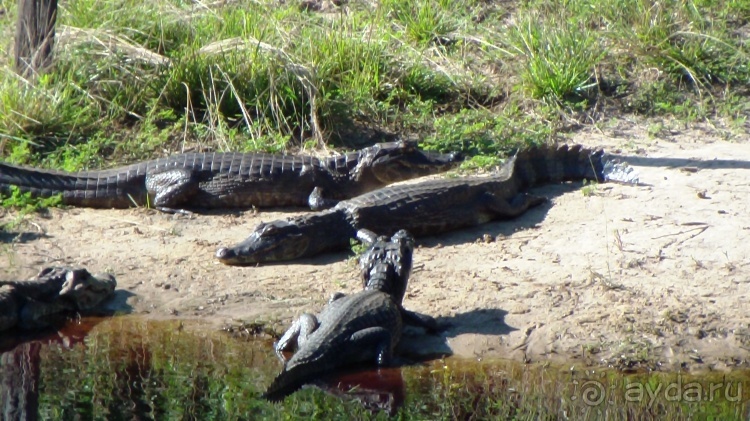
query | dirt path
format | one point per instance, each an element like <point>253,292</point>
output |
<point>610,274</point>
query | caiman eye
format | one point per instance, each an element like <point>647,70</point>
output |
<point>270,229</point>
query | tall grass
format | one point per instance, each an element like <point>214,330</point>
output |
<point>165,76</point>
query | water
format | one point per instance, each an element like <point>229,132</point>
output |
<point>131,368</point>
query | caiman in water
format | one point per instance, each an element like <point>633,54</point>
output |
<point>424,208</point>
<point>54,291</point>
<point>233,180</point>
<point>360,328</point>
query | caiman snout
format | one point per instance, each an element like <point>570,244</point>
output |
<point>269,242</point>
<point>225,253</point>
<point>416,163</point>
<point>232,256</point>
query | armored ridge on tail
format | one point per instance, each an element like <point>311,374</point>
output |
<point>227,180</point>
<point>425,208</point>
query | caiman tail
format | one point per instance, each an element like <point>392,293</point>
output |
<point>94,189</point>
<point>551,164</point>
<point>290,381</point>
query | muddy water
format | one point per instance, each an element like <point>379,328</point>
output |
<point>130,368</point>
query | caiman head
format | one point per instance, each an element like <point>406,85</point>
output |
<point>269,242</point>
<point>390,162</point>
<point>386,264</point>
<point>87,291</point>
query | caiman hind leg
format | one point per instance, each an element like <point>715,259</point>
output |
<point>171,188</point>
<point>512,208</point>
<point>379,339</point>
<point>302,328</point>
<point>296,335</point>
<point>424,321</point>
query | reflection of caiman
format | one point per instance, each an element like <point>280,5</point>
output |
<point>375,390</point>
<point>359,328</point>
<point>223,180</point>
<point>55,290</point>
<point>425,208</point>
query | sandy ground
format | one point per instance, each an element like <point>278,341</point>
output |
<point>626,276</point>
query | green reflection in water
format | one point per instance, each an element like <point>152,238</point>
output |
<point>129,368</point>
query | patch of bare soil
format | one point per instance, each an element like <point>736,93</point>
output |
<point>609,274</point>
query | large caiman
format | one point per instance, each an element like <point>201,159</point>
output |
<point>425,208</point>
<point>54,291</point>
<point>364,327</point>
<point>233,180</point>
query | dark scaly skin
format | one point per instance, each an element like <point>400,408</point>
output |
<point>364,327</point>
<point>386,266</point>
<point>426,208</point>
<point>359,328</point>
<point>232,180</point>
<point>53,291</point>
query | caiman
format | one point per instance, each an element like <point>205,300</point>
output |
<point>363,327</point>
<point>55,290</point>
<point>233,180</point>
<point>425,208</point>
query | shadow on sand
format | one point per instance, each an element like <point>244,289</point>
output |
<point>479,321</point>
<point>704,164</point>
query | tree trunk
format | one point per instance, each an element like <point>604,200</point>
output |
<point>35,35</point>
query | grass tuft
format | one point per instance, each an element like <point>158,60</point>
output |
<point>560,57</point>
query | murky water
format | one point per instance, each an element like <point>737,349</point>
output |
<point>129,368</point>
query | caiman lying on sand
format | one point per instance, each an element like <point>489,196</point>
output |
<point>425,208</point>
<point>226,180</point>
<point>364,327</point>
<point>55,290</point>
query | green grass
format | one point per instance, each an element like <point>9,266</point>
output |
<point>560,57</point>
<point>24,204</point>
<point>133,81</point>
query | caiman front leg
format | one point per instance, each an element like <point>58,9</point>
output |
<point>318,202</point>
<point>297,334</point>
<point>424,321</point>
<point>171,188</point>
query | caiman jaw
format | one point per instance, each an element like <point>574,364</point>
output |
<point>272,242</point>
<point>414,163</point>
